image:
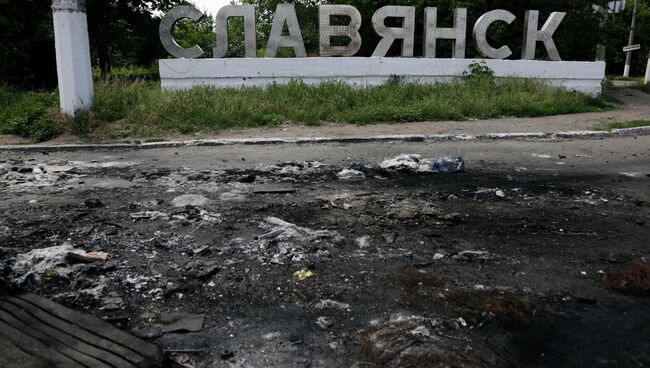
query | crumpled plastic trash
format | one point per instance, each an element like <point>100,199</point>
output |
<point>349,174</point>
<point>415,163</point>
<point>407,162</point>
<point>449,164</point>
<point>57,260</point>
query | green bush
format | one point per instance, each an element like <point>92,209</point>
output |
<point>479,74</point>
<point>28,114</point>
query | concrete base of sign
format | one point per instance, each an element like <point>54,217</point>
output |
<point>179,74</point>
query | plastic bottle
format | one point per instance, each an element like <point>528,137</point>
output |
<point>449,165</point>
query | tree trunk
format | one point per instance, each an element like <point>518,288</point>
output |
<point>104,60</point>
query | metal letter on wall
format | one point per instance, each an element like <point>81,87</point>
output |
<point>480,34</point>
<point>221,27</point>
<point>532,35</point>
<point>285,13</point>
<point>168,41</point>
<point>458,33</point>
<point>406,33</point>
<point>327,31</point>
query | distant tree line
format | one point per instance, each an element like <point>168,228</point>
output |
<point>125,32</point>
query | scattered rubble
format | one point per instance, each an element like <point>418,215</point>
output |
<point>201,269</point>
<point>421,249</point>
<point>410,344</point>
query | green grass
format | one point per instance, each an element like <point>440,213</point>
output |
<point>28,114</point>
<point>622,125</point>
<point>622,78</point>
<point>140,109</point>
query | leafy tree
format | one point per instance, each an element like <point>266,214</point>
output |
<point>307,13</point>
<point>26,47</point>
<point>616,37</point>
<point>188,33</point>
<point>123,31</point>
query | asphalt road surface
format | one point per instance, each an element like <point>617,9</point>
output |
<point>523,260</point>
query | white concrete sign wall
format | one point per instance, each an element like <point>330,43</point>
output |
<point>179,74</point>
<point>187,72</point>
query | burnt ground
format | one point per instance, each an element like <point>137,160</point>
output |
<point>500,266</point>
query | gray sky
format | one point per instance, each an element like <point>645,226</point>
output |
<point>211,6</point>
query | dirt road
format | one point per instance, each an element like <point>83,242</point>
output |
<point>500,266</point>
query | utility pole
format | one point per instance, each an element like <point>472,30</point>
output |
<point>72,55</point>
<point>628,58</point>
<point>601,52</point>
<point>647,71</point>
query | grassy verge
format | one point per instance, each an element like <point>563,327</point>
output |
<point>140,108</point>
<point>623,124</point>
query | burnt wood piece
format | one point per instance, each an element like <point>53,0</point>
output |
<point>40,332</point>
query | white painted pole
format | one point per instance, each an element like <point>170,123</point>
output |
<point>647,71</point>
<point>72,55</point>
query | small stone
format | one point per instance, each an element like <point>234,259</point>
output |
<point>421,331</point>
<point>201,251</point>
<point>390,238</point>
<point>111,304</point>
<point>438,256</point>
<point>472,255</point>
<point>147,332</point>
<point>227,354</point>
<point>325,322</point>
<point>93,203</point>
<point>363,242</point>
<point>247,179</point>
